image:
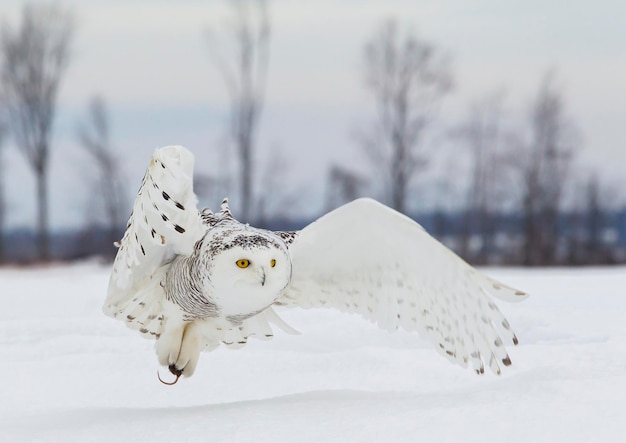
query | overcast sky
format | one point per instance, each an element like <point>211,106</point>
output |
<point>150,62</point>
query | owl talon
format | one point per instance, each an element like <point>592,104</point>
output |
<point>174,370</point>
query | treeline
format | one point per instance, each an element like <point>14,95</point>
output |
<point>584,239</point>
<point>521,197</point>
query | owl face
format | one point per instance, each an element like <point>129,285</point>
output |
<point>248,272</point>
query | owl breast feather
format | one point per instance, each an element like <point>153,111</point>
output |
<point>183,287</point>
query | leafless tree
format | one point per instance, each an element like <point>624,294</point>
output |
<point>593,214</point>
<point>597,250</point>
<point>34,58</point>
<point>93,135</point>
<point>343,186</point>
<point>277,196</point>
<point>488,139</point>
<point>545,166</point>
<point>592,234</point>
<point>408,77</point>
<point>245,77</point>
<point>210,189</point>
<point>3,130</point>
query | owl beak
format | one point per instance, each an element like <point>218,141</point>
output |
<point>262,276</point>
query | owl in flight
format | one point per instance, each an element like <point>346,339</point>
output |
<point>193,279</point>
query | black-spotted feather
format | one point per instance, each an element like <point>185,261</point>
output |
<point>164,223</point>
<point>368,259</point>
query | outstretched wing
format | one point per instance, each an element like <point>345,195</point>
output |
<point>367,258</point>
<point>165,222</point>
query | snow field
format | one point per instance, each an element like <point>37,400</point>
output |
<point>70,374</point>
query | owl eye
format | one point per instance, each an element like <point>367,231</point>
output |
<point>273,263</point>
<point>243,263</point>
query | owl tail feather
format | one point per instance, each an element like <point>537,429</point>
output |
<point>272,317</point>
<point>257,327</point>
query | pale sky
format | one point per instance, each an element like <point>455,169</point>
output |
<point>149,60</point>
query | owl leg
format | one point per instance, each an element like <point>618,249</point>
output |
<point>179,348</point>
<point>190,349</point>
<point>169,343</point>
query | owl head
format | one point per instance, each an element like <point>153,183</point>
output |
<point>248,269</point>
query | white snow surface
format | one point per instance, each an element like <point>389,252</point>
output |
<point>70,374</point>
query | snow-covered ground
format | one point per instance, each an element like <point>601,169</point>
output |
<point>70,374</point>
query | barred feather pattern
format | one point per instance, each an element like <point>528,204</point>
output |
<point>183,287</point>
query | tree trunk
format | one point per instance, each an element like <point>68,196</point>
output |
<point>529,232</point>
<point>2,218</point>
<point>43,241</point>
<point>246,179</point>
<point>397,196</point>
<point>399,180</point>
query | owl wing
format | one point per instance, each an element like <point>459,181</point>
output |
<point>367,258</point>
<point>165,222</point>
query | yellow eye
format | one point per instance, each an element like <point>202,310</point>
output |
<point>243,263</point>
<point>273,263</point>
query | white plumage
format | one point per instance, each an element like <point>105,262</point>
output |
<point>193,280</point>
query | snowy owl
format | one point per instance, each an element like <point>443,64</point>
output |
<point>193,279</point>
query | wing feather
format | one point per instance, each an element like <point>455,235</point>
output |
<point>165,222</point>
<point>367,258</point>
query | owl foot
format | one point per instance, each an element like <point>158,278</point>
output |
<point>179,349</point>
<point>174,370</point>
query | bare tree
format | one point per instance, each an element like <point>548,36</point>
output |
<point>3,130</point>
<point>596,250</point>
<point>408,78</point>
<point>343,186</point>
<point>34,59</point>
<point>210,189</point>
<point>93,135</point>
<point>545,167</point>
<point>592,227</point>
<point>487,139</point>
<point>245,79</point>
<point>275,200</point>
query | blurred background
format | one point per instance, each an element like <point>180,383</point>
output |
<point>496,125</point>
